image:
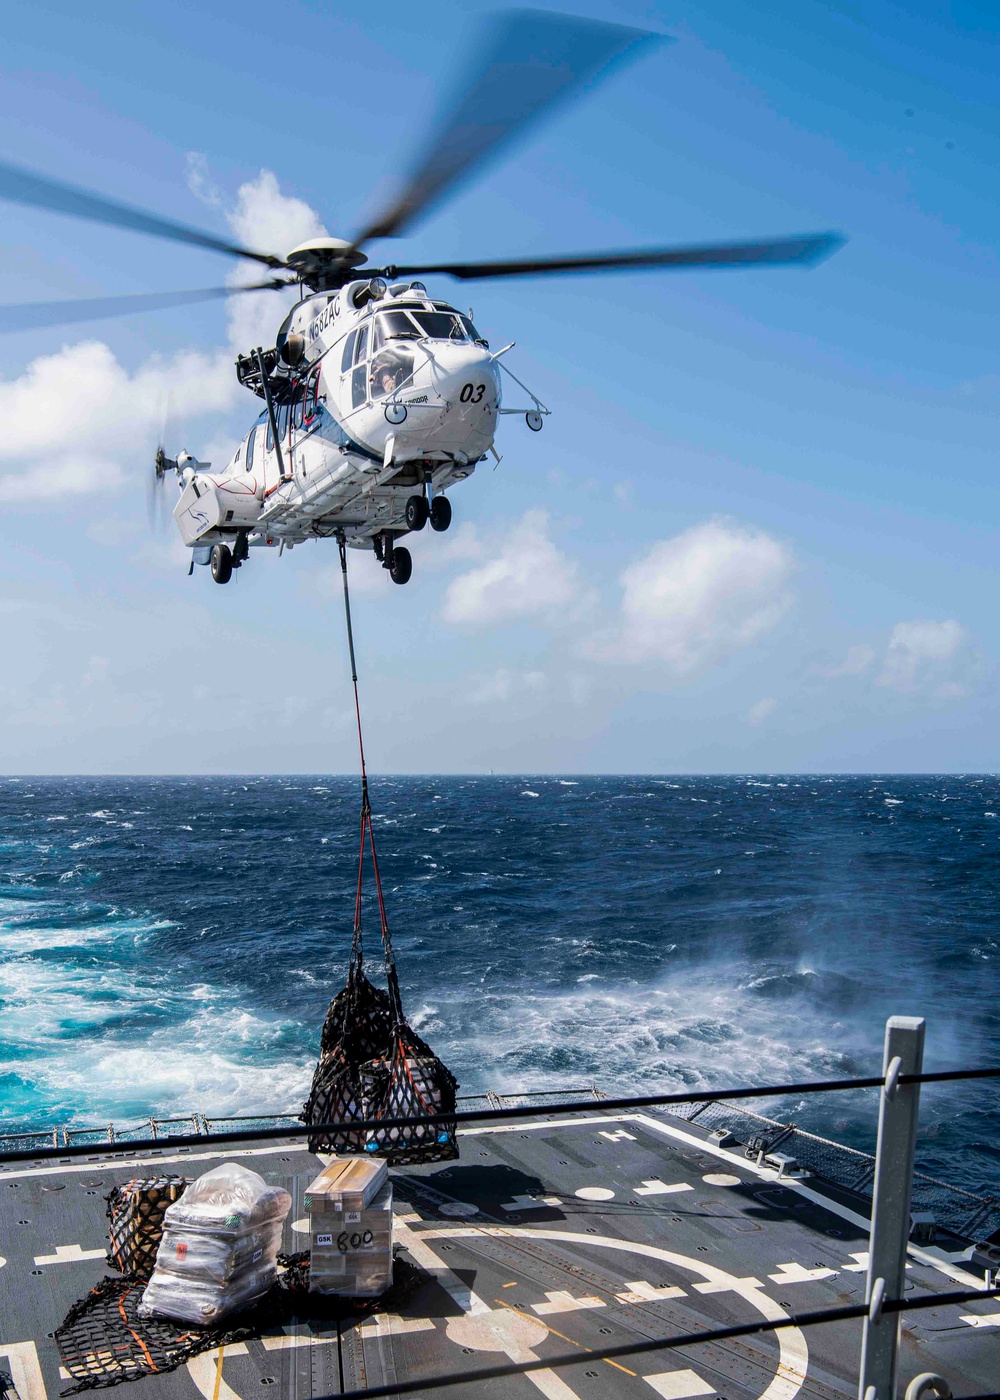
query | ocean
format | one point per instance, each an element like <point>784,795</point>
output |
<point>169,945</point>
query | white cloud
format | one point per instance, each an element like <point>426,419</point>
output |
<point>269,222</point>
<point>933,657</point>
<point>696,599</point>
<point>527,576</point>
<point>200,181</point>
<point>757,714</point>
<point>77,421</point>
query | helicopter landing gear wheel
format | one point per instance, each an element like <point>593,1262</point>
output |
<point>400,565</point>
<point>221,563</point>
<point>417,511</point>
<point>440,513</point>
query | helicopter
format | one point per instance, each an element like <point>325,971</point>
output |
<point>378,396</point>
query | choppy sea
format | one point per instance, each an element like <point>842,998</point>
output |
<point>170,945</point>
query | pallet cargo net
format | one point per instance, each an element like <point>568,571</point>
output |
<point>372,1064</point>
<point>135,1213</point>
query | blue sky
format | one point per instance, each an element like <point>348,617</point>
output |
<point>760,529</point>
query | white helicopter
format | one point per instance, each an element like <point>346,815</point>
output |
<point>377,397</point>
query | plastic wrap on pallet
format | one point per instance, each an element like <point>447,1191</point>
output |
<point>218,1256</point>
<point>351,1249</point>
<point>219,1247</point>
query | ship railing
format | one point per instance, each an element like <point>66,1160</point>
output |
<point>956,1211</point>
<point>896,1189</point>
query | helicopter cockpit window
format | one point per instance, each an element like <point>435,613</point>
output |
<point>310,398</point>
<point>392,368</point>
<point>394,325</point>
<point>472,333</point>
<point>250,446</point>
<point>359,379</point>
<point>348,356</point>
<point>440,325</point>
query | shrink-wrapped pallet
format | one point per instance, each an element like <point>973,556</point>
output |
<point>350,1230</point>
<point>219,1247</point>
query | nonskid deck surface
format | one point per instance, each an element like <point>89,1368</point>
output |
<point>545,1237</point>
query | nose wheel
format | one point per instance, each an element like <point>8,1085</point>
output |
<point>440,513</point>
<point>417,512</point>
<point>400,565</point>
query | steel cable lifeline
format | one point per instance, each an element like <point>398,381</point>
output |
<point>374,1070</point>
<point>605,1104</point>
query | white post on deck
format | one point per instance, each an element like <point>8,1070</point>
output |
<point>897,1134</point>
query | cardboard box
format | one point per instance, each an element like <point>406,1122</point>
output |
<point>348,1183</point>
<point>351,1250</point>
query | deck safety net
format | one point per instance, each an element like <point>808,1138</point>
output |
<point>103,1341</point>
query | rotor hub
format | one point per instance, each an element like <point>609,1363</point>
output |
<point>325,263</point>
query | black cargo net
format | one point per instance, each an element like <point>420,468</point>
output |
<point>372,1064</point>
<point>135,1211</point>
<point>103,1341</point>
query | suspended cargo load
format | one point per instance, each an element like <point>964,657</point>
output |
<point>372,1065</point>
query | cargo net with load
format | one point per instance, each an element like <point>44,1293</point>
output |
<point>373,1067</point>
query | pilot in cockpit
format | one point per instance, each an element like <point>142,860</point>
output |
<point>389,371</point>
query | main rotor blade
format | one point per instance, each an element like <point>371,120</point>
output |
<point>530,61</point>
<point>26,187</point>
<point>36,315</point>
<point>806,248</point>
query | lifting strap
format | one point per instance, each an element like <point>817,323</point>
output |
<point>367,833</point>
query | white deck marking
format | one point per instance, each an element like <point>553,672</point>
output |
<point>480,1326</point>
<point>797,1273</point>
<point>510,1331</point>
<point>531,1203</point>
<point>70,1254</point>
<point>302,1225</point>
<point>982,1319</point>
<point>679,1385</point>
<point>793,1354</point>
<point>392,1325</point>
<point>287,1341</point>
<point>594,1193</point>
<point>107,1156</point>
<point>206,1371</point>
<point>735,1285</point>
<point>418,1250</point>
<point>640,1291</point>
<point>722,1179</point>
<point>655,1187</point>
<point>619,1135</point>
<point>560,1301</point>
<point>2,1261</point>
<point>458,1208</point>
<point>25,1371</point>
<point>933,1257</point>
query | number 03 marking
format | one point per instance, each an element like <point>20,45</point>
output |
<point>472,393</point>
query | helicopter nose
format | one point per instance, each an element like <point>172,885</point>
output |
<point>467,379</point>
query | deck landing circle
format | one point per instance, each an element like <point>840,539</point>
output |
<point>793,1354</point>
